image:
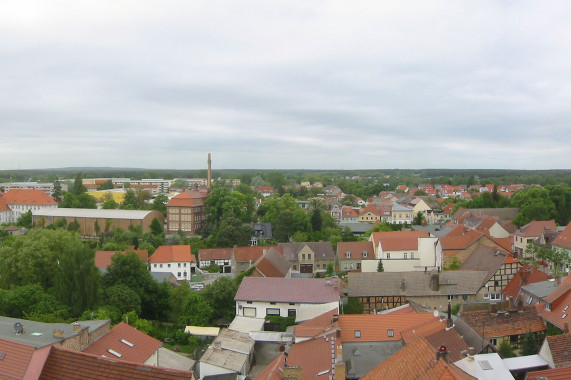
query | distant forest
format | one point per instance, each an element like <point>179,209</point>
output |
<point>389,178</point>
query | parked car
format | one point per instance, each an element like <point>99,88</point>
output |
<point>198,286</point>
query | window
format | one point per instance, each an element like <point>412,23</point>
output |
<point>364,253</point>
<point>160,265</point>
<point>494,341</point>
<point>529,300</point>
<point>295,267</point>
<point>303,256</point>
<point>168,265</point>
<point>495,296</point>
<point>406,255</point>
<point>357,333</point>
<point>309,256</point>
<point>154,265</point>
<point>486,296</point>
<point>291,312</point>
<point>390,333</point>
<point>292,303</point>
<point>249,302</point>
<point>388,255</point>
<point>178,274</point>
<point>496,283</point>
<point>345,266</point>
<point>348,254</point>
<point>450,297</point>
<point>272,311</point>
<point>184,265</point>
<point>179,265</point>
<point>272,303</point>
<point>412,255</point>
<point>351,266</point>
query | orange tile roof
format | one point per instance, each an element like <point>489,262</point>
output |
<point>536,227</point>
<point>273,370</point>
<point>452,340</point>
<point>17,359</point>
<point>188,198</point>
<point>103,258</point>
<point>416,360</point>
<point>314,356</point>
<point>375,327</point>
<point>563,240</point>
<point>551,374</point>
<point>28,197</point>
<point>463,240</point>
<point>172,253</point>
<point>3,204</point>
<point>251,253</point>
<point>560,300</point>
<point>143,345</point>
<point>378,236</point>
<point>272,264</point>
<point>356,248</point>
<point>528,274</point>
<point>560,346</point>
<point>316,326</point>
<point>423,329</point>
<point>64,364</point>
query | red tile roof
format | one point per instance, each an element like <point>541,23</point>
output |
<point>560,347</point>
<point>215,254</point>
<point>560,300</point>
<point>3,204</point>
<point>536,227</point>
<point>272,264</point>
<point>551,374</point>
<point>450,338</point>
<point>356,249</point>
<point>314,356</point>
<point>251,253</point>
<point>496,325</point>
<point>118,339</point>
<point>17,360</point>
<point>391,238</point>
<point>528,274</point>
<point>416,360</point>
<point>375,327</point>
<point>28,197</point>
<point>64,364</point>
<point>563,240</point>
<point>273,370</point>
<point>188,198</point>
<point>103,258</point>
<point>316,326</point>
<point>424,329</point>
<point>459,238</point>
<point>172,253</point>
<point>304,290</point>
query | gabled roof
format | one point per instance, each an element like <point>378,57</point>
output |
<point>460,238</point>
<point>496,325</point>
<point>377,327</point>
<point>560,347</point>
<point>411,284</point>
<point>133,345</point>
<point>314,356</point>
<point>450,338</point>
<point>356,249</point>
<point>527,274</point>
<point>273,370</point>
<point>376,237</point>
<point>551,374</point>
<point>66,364</point>
<point>370,208</point>
<point>215,254</point>
<point>560,301</point>
<point>172,253</point>
<point>322,250</point>
<point>425,329</point>
<point>536,227</point>
<point>18,359</point>
<point>250,253</point>
<point>188,198</point>
<point>103,258</point>
<point>485,258</point>
<point>303,290</point>
<point>3,204</point>
<point>272,264</point>
<point>563,240</point>
<point>416,360</point>
<point>28,197</point>
<point>316,326</point>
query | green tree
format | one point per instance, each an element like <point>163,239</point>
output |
<point>230,232</point>
<point>132,318</point>
<point>130,201</point>
<point>57,193</point>
<point>534,204</point>
<point>220,296</point>
<point>160,203</point>
<point>107,185</point>
<point>78,187</point>
<point>110,204</point>
<point>419,219</point>
<point>195,310</point>
<point>76,279</point>
<point>353,306</point>
<point>529,344</point>
<point>380,267</point>
<point>157,228</point>
<point>25,220</point>
<point>86,201</point>
<point>506,350</point>
<point>123,298</point>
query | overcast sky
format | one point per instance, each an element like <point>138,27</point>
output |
<point>285,84</point>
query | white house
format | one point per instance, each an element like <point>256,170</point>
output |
<point>176,259</point>
<point>19,201</point>
<point>302,298</point>
<point>405,251</point>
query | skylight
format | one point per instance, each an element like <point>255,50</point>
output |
<point>564,315</point>
<point>112,352</point>
<point>127,343</point>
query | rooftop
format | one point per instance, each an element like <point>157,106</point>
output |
<point>94,213</point>
<point>172,253</point>
<point>304,290</point>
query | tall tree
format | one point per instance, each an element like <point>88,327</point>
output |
<point>220,296</point>
<point>57,193</point>
<point>78,187</point>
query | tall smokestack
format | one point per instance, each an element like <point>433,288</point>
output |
<point>209,180</point>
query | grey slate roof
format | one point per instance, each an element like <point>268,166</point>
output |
<point>303,290</point>
<point>542,289</point>
<point>485,258</point>
<point>322,250</point>
<point>434,229</point>
<point>414,283</point>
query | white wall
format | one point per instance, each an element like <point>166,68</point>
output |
<point>174,269</point>
<point>243,307</point>
<point>206,369</point>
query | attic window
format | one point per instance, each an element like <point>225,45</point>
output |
<point>390,333</point>
<point>365,253</point>
<point>565,308</point>
<point>127,343</point>
<point>348,254</point>
<point>2,355</point>
<point>112,352</point>
<point>564,315</point>
<point>357,333</point>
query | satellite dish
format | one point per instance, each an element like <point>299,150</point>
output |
<point>18,328</point>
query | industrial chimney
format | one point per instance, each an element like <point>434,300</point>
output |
<point>209,180</point>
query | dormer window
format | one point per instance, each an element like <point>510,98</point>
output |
<point>548,306</point>
<point>390,333</point>
<point>364,253</point>
<point>357,333</point>
<point>348,254</point>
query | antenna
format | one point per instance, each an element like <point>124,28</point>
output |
<point>18,328</point>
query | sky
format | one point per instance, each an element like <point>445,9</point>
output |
<point>285,84</point>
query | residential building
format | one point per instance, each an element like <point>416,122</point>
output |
<point>94,222</point>
<point>349,214</point>
<point>104,258</point>
<point>370,214</point>
<point>557,305</point>
<point>538,231</point>
<point>351,254</point>
<point>380,291</point>
<point>216,256</point>
<point>243,258</point>
<point>20,201</point>
<point>185,212</point>
<point>47,188</point>
<point>302,298</point>
<point>272,264</point>
<point>535,293</point>
<point>403,251</point>
<point>555,350</point>
<point>401,214</point>
<point>563,240</point>
<point>176,259</point>
<point>310,257</point>
<point>262,231</point>
<point>526,275</point>
<point>266,191</point>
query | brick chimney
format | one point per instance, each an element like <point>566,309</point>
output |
<point>449,322</point>
<point>76,327</point>
<point>59,333</point>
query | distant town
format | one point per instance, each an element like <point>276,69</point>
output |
<point>286,275</point>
